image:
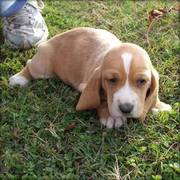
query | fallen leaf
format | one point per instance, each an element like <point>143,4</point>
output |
<point>70,127</point>
<point>157,14</point>
<point>177,8</point>
<point>16,133</point>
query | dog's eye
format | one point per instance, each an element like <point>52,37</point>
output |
<point>112,80</point>
<point>140,82</point>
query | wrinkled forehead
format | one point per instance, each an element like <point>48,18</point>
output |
<point>128,59</point>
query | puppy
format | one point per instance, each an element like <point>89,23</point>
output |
<point>115,78</point>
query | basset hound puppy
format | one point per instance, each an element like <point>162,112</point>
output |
<point>115,78</point>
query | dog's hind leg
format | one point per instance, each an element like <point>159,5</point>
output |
<point>22,78</point>
<point>160,106</point>
<point>39,67</point>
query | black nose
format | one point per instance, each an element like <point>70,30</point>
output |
<point>126,108</point>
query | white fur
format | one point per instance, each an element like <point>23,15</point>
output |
<point>111,122</point>
<point>163,107</point>
<point>127,58</point>
<point>18,79</point>
<point>125,95</point>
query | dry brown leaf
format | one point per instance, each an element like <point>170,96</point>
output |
<point>16,133</point>
<point>70,127</point>
<point>177,8</point>
<point>157,14</point>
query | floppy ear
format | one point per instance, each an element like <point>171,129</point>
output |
<point>152,93</point>
<point>90,97</point>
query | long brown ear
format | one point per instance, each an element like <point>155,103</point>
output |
<point>90,97</point>
<point>152,93</point>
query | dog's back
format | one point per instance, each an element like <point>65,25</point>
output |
<point>76,53</point>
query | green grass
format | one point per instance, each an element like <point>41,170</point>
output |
<point>35,142</point>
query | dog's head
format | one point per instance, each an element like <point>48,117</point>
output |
<point>128,80</point>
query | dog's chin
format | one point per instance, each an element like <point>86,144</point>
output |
<point>136,116</point>
<point>129,116</point>
<point>116,114</point>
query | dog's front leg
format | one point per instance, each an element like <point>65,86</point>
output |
<point>106,119</point>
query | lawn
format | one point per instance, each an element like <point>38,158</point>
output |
<point>43,137</point>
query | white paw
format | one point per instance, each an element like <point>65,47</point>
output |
<point>162,107</point>
<point>111,122</point>
<point>18,79</point>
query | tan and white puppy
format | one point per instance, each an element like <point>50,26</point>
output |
<point>116,78</point>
